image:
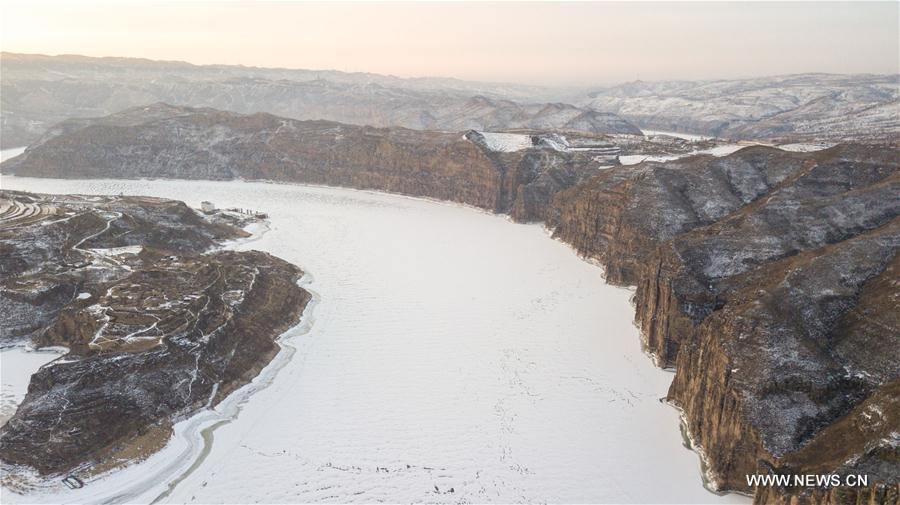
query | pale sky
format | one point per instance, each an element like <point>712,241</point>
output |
<point>539,43</point>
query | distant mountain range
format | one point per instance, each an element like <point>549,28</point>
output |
<point>39,91</point>
<point>796,107</point>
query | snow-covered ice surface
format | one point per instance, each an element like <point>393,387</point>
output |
<point>634,159</point>
<point>452,356</point>
<point>16,366</point>
<point>6,154</point>
<point>506,142</point>
<point>685,136</point>
<point>803,148</point>
<point>718,151</point>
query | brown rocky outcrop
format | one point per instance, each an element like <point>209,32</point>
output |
<point>773,295</point>
<point>156,327</point>
<point>801,344</point>
<point>622,214</point>
<point>843,192</point>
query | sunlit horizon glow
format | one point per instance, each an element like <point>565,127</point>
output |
<point>532,43</point>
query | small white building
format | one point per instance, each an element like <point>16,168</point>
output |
<point>207,207</point>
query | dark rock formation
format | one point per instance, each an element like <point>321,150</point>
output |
<point>621,215</point>
<point>156,328</point>
<point>844,192</point>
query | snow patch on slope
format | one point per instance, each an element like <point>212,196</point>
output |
<point>506,142</point>
<point>686,136</point>
<point>717,151</point>
<point>803,148</point>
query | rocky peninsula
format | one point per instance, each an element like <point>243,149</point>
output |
<point>159,321</point>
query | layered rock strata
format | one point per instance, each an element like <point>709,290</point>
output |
<point>768,280</point>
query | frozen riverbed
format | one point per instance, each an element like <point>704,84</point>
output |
<point>453,356</point>
<point>16,366</point>
<point>11,153</point>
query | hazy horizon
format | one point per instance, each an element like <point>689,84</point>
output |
<point>449,77</point>
<point>557,44</point>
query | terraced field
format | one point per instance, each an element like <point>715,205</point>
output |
<point>21,212</point>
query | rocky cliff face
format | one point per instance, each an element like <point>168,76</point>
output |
<point>768,281</point>
<point>156,327</point>
<point>808,354</point>
<point>844,192</point>
<point>766,278</point>
<point>622,214</point>
<point>179,142</point>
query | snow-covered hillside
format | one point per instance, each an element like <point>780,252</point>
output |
<point>803,107</point>
<point>40,91</point>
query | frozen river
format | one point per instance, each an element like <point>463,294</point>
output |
<point>452,356</point>
<point>16,366</point>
